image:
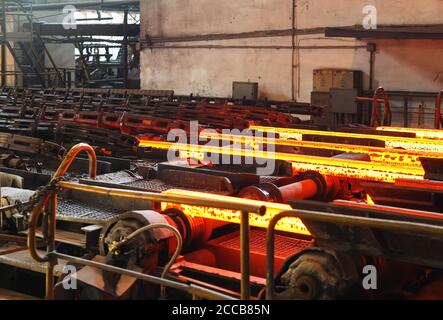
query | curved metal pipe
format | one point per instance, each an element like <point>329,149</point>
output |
<point>72,154</point>
<point>51,199</point>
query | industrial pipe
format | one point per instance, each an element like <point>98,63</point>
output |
<point>37,211</point>
<point>50,202</point>
<point>78,5</point>
<point>310,186</point>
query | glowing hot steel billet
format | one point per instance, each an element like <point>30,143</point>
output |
<point>419,132</point>
<point>292,225</point>
<point>382,155</point>
<point>414,144</point>
<point>301,163</point>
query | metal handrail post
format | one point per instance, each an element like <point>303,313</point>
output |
<point>244,258</point>
<point>50,203</point>
<point>52,261</point>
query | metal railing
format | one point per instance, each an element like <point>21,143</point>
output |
<point>50,77</point>
<point>380,97</point>
<point>49,202</point>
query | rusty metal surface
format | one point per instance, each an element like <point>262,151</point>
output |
<point>94,277</point>
<point>10,247</point>
<point>120,177</point>
<point>72,238</point>
<point>269,179</point>
<point>163,183</point>
<point>156,185</point>
<point>23,260</point>
<point>210,183</point>
<point>420,196</point>
<point>238,176</point>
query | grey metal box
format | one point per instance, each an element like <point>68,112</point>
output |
<point>343,101</point>
<point>245,90</point>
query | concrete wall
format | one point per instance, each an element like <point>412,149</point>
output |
<point>211,71</point>
<point>400,65</point>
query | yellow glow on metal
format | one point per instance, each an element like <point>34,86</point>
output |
<point>419,132</point>
<point>414,144</point>
<point>382,155</point>
<point>292,225</point>
<point>369,200</point>
<point>301,163</point>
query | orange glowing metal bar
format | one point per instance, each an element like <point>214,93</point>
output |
<point>292,225</point>
<point>301,163</point>
<point>383,155</point>
<point>390,142</point>
<point>420,133</point>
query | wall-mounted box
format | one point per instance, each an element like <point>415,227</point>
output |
<point>245,90</point>
<point>347,79</point>
<point>323,80</point>
<point>327,79</point>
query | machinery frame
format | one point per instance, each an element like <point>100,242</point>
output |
<point>49,201</point>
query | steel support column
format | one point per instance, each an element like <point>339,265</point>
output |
<point>3,46</point>
<point>125,49</point>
